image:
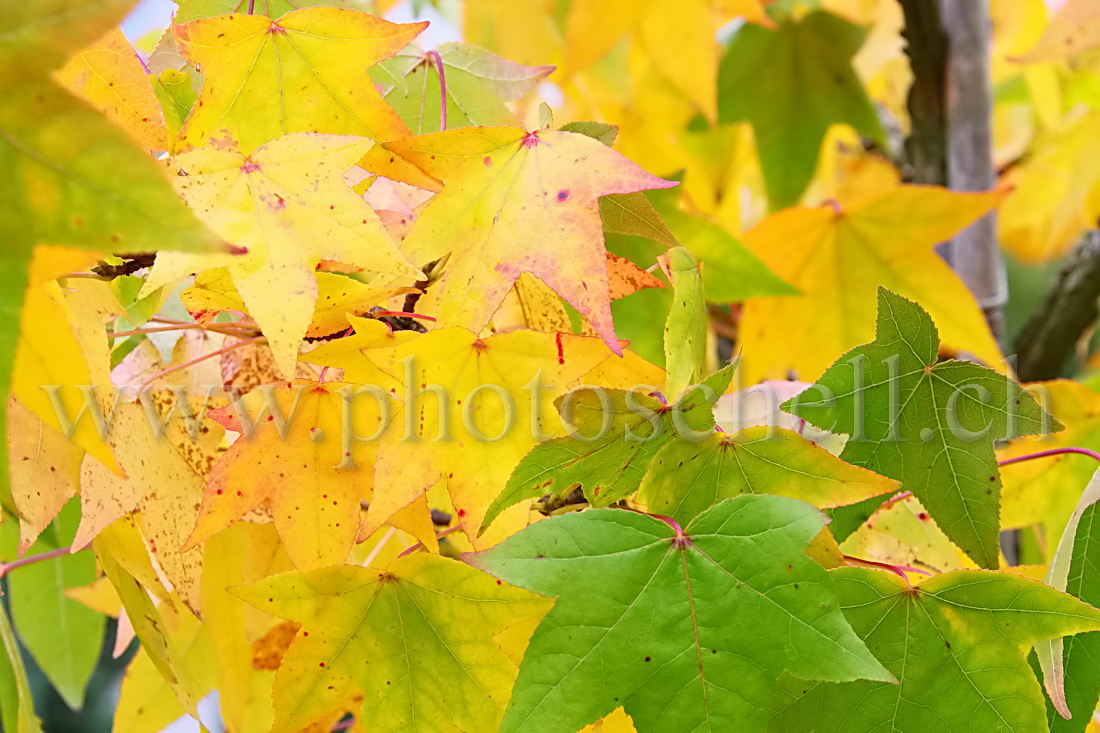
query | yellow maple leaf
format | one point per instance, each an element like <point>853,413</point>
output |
<point>286,205</point>
<point>516,202</point>
<point>837,255</point>
<point>243,554</point>
<point>45,471</point>
<point>525,32</point>
<point>485,403</point>
<point>161,484</point>
<point>213,292</point>
<point>61,344</point>
<point>1045,492</point>
<point>265,78</point>
<point>1054,197</point>
<point>109,76</point>
<point>425,623</point>
<point>1073,30</point>
<point>303,458</point>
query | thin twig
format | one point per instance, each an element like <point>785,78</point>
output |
<point>402,314</point>
<point>215,328</point>
<point>1052,452</point>
<point>378,548</point>
<point>7,567</point>
<point>192,362</point>
<point>438,61</point>
<point>420,545</point>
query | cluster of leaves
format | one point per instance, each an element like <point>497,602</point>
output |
<point>365,444</point>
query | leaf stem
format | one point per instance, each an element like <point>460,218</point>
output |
<point>402,314</point>
<point>1052,452</point>
<point>251,6</point>
<point>229,331</point>
<point>898,569</point>
<point>420,545</point>
<point>7,567</point>
<point>438,61</point>
<point>196,360</point>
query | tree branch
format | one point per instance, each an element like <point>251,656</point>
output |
<point>1069,310</point>
<point>927,48</point>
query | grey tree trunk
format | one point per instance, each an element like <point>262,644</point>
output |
<point>974,252</point>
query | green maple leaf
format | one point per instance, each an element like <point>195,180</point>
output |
<point>930,425</point>
<point>417,639</point>
<point>1070,668</point>
<point>69,176</point>
<point>957,643</point>
<point>196,9</point>
<point>791,83</point>
<point>686,477</point>
<point>478,84</point>
<point>616,435</point>
<point>686,631</point>
<point>1081,654</point>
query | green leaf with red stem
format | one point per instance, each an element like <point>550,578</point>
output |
<point>686,629</point>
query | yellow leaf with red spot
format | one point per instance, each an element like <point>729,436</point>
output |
<point>161,484</point>
<point>45,471</point>
<point>287,208</point>
<point>516,202</point>
<point>302,457</point>
<point>837,255</point>
<point>108,75</point>
<point>470,409</point>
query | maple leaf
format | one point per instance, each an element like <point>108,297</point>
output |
<point>901,532</point>
<point>1069,666</point>
<point>213,292</point>
<point>242,554</point>
<point>123,559</point>
<point>71,177</point>
<point>296,458</point>
<point>478,84</point>
<point>265,78</point>
<point>791,83</point>
<point>837,255</point>
<point>472,407</point>
<point>957,644</point>
<point>45,471</point>
<point>526,33</point>
<point>109,76</point>
<point>1074,30</point>
<point>643,610</point>
<point>189,10</point>
<point>64,637</point>
<point>146,701</point>
<point>160,483</point>
<point>425,626</point>
<point>1035,492</point>
<point>61,337</point>
<point>686,477</point>
<point>525,202</point>
<point>1053,198</point>
<point>286,204</point>
<point>678,37</point>
<point>615,435</point>
<point>686,326</point>
<point>894,398</point>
